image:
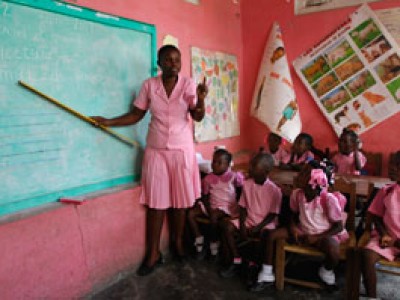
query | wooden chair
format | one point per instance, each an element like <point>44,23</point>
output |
<point>373,167</point>
<point>282,247</point>
<point>362,242</point>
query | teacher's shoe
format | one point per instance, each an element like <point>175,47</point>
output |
<point>145,270</point>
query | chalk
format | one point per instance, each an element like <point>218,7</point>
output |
<point>80,116</point>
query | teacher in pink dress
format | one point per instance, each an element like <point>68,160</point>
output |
<point>170,175</point>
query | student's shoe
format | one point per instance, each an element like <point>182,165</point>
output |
<point>327,276</point>
<point>200,255</point>
<point>145,270</point>
<point>230,271</point>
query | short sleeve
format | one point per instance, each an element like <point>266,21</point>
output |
<point>276,200</point>
<point>377,206</point>
<point>362,159</point>
<point>239,179</point>
<point>142,101</point>
<point>190,95</point>
<point>294,200</point>
<point>334,210</point>
<point>205,188</point>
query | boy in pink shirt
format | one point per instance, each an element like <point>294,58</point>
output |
<point>385,239</point>
<point>260,205</point>
<point>275,149</point>
<point>349,160</point>
<point>218,202</point>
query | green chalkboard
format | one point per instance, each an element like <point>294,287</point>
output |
<point>91,62</point>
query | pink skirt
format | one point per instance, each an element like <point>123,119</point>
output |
<point>390,253</point>
<point>170,178</point>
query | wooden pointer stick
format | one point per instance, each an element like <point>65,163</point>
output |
<point>79,115</point>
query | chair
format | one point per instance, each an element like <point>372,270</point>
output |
<point>382,262</point>
<point>373,167</point>
<point>282,247</point>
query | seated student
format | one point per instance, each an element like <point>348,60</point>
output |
<point>316,220</point>
<point>275,148</point>
<point>300,152</point>
<point>385,239</point>
<point>219,200</point>
<point>349,160</point>
<point>260,204</point>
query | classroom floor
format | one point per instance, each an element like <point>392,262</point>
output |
<point>200,280</point>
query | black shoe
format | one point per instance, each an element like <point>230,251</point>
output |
<point>259,286</point>
<point>230,271</point>
<point>201,255</point>
<point>145,270</point>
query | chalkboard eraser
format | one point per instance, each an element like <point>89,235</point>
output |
<point>73,200</point>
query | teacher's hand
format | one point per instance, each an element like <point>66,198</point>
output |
<point>202,90</point>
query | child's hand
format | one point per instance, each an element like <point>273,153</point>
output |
<point>202,90</point>
<point>295,232</point>
<point>311,239</point>
<point>386,241</point>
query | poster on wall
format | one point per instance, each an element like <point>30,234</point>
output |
<point>390,18</point>
<point>221,71</point>
<point>274,101</point>
<point>354,74</point>
<point>310,6</point>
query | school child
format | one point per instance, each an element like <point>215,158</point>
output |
<point>300,152</point>
<point>275,148</point>
<point>349,160</point>
<point>219,201</point>
<point>385,238</point>
<point>317,219</point>
<point>259,204</point>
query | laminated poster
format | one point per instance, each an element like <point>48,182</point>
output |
<point>354,74</point>
<point>221,70</point>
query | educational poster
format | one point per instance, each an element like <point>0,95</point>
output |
<point>310,6</point>
<point>354,74</point>
<point>390,18</point>
<point>221,70</point>
<point>274,101</point>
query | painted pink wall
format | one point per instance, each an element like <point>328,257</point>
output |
<point>299,34</point>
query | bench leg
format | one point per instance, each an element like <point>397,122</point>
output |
<point>280,265</point>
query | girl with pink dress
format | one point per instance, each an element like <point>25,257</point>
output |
<point>349,160</point>
<point>317,220</point>
<point>385,238</point>
<point>219,201</point>
<point>300,153</point>
<point>170,175</point>
<point>260,205</point>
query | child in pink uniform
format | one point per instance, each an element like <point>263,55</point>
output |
<point>300,152</point>
<point>219,200</point>
<point>170,174</point>
<point>385,239</point>
<point>275,148</point>
<point>349,160</point>
<point>260,204</point>
<point>316,220</point>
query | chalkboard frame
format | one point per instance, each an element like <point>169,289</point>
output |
<point>109,20</point>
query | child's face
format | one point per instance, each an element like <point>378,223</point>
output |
<point>219,164</point>
<point>394,170</point>
<point>170,63</point>
<point>258,171</point>
<point>346,145</point>
<point>300,146</point>
<point>273,143</point>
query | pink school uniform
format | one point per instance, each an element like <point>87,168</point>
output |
<point>259,201</point>
<point>280,156</point>
<point>306,156</point>
<point>345,163</point>
<point>170,174</point>
<point>222,190</point>
<point>317,215</point>
<point>386,204</point>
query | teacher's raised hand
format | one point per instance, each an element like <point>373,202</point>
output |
<point>202,90</point>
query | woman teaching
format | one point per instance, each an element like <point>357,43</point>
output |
<point>170,175</point>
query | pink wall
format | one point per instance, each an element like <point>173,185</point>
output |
<point>299,34</point>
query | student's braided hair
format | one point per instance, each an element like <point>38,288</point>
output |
<point>321,180</point>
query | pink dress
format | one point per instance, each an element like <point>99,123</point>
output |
<point>222,191</point>
<point>280,156</point>
<point>318,215</point>
<point>308,155</point>
<point>170,174</point>
<point>259,201</point>
<point>386,204</point>
<point>345,163</point>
